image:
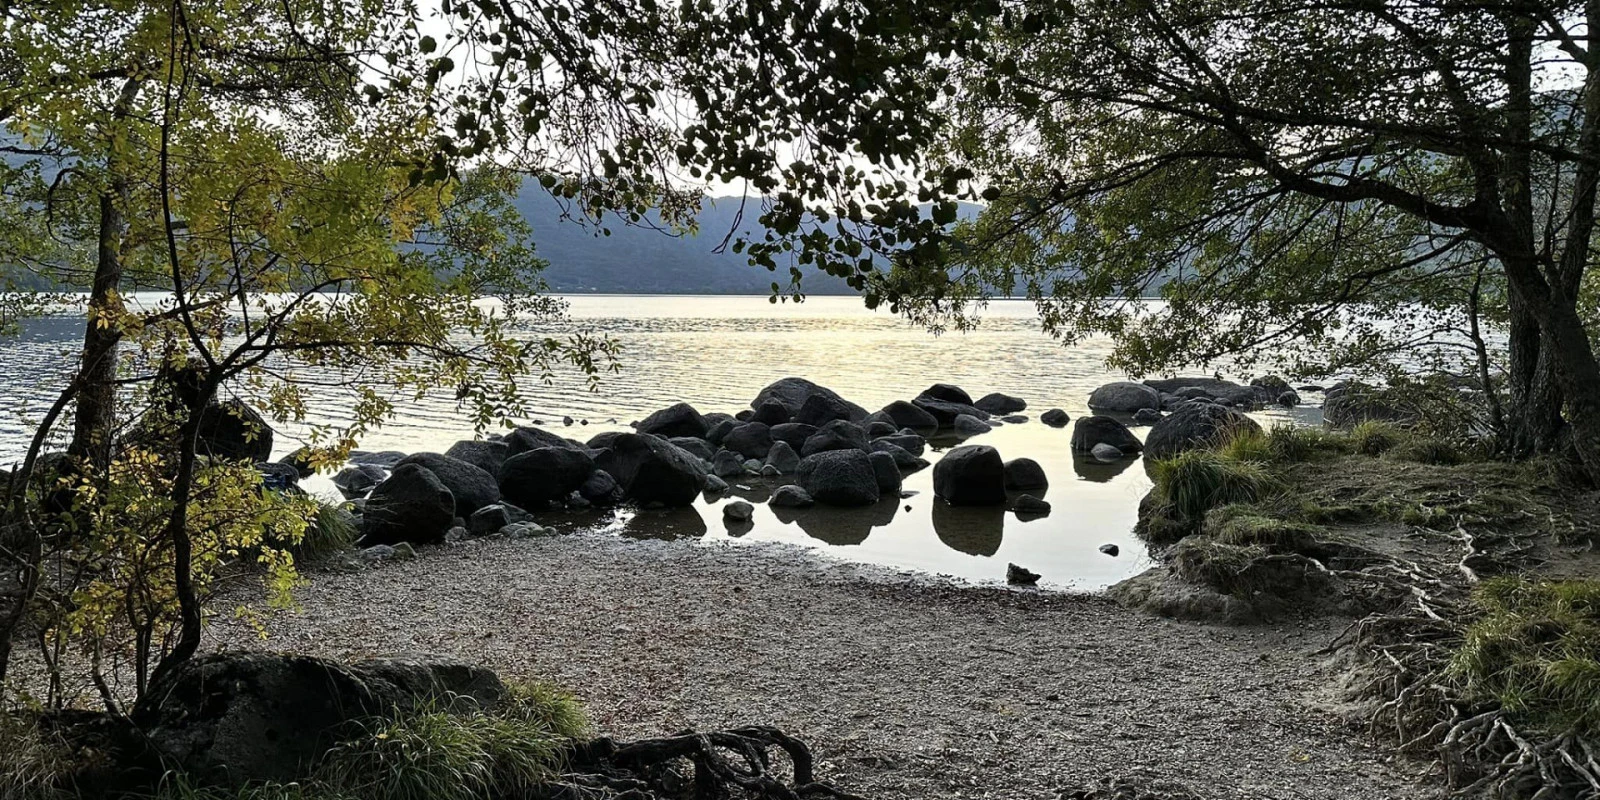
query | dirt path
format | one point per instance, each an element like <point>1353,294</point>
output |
<point>905,689</point>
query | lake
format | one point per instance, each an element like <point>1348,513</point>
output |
<point>717,352</point>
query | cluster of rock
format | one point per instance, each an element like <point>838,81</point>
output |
<point>1152,397</point>
<point>838,453</point>
<point>1200,412</point>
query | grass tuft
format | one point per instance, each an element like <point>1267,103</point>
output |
<point>1429,450</point>
<point>546,705</point>
<point>332,531</point>
<point>1374,438</point>
<point>1192,483</point>
<point>1248,525</point>
<point>34,766</point>
<point>1536,651</point>
<point>432,754</point>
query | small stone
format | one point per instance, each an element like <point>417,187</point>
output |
<point>738,511</point>
<point>790,496</point>
<point>566,420</point>
<point>405,552</point>
<point>715,485</point>
<point>1110,549</point>
<point>1014,419</point>
<point>1020,576</point>
<point>1055,418</point>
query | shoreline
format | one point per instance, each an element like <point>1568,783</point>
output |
<point>904,685</point>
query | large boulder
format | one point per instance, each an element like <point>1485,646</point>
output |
<point>472,486</point>
<point>907,415</point>
<point>836,435</point>
<point>839,478</point>
<point>1193,426</point>
<point>413,505</point>
<point>887,472</point>
<point>970,475</point>
<point>948,392</point>
<point>1090,431</point>
<point>1025,473</point>
<point>783,458</point>
<point>771,413</point>
<point>600,489</point>
<point>1125,396</point>
<point>699,448</point>
<point>544,475</point>
<point>233,431</point>
<point>1001,404</point>
<point>230,719</point>
<point>968,425</point>
<point>792,394</point>
<point>679,419</point>
<point>794,434</point>
<point>488,456</point>
<point>524,439</point>
<point>1270,386</point>
<point>820,409</point>
<point>751,440</point>
<point>652,470</point>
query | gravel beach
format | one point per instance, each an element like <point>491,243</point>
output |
<point>905,686</point>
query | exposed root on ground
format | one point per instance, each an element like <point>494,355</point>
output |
<point>746,762</point>
<point>1479,748</point>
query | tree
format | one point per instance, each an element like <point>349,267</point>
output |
<point>1300,159</point>
<point>263,166</point>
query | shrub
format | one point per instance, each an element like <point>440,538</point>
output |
<point>1192,483</point>
<point>432,754</point>
<point>1536,651</point>
<point>1374,438</point>
<point>548,706</point>
<point>1248,445</point>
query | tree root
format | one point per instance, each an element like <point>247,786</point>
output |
<point>736,763</point>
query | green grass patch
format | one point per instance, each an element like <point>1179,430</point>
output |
<point>332,531</point>
<point>1247,525</point>
<point>1374,438</point>
<point>34,766</point>
<point>1192,483</point>
<point>1429,450</point>
<point>433,754</point>
<point>1536,651</point>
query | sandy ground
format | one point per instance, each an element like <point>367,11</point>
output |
<point>905,687</point>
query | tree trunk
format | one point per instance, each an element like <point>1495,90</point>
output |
<point>1533,413</point>
<point>95,418</point>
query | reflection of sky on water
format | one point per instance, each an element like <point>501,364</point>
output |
<point>717,353</point>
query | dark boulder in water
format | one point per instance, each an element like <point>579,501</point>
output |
<point>1147,416</point>
<point>600,489</point>
<point>839,478</point>
<point>1093,430</point>
<point>472,486</point>
<point>887,472</point>
<point>751,440</point>
<point>1001,404</point>
<point>949,393</point>
<point>836,435</point>
<point>411,506</point>
<point>794,434</point>
<point>488,456</point>
<point>699,448</point>
<point>233,431</point>
<point>524,439</point>
<point>1125,396</point>
<point>970,475</point>
<point>820,409</point>
<point>679,419</point>
<point>792,394</point>
<point>652,470</point>
<point>771,413</point>
<point>1025,473</point>
<point>907,415</point>
<point>358,479</point>
<point>539,477</point>
<point>1055,418</point>
<point>1196,426</point>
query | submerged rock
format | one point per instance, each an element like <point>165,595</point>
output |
<point>1106,453</point>
<point>738,510</point>
<point>791,496</point>
<point>1029,506</point>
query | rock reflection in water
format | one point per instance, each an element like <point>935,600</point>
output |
<point>840,526</point>
<point>1093,469</point>
<point>668,524</point>
<point>975,530</point>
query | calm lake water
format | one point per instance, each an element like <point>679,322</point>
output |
<point>717,353</point>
